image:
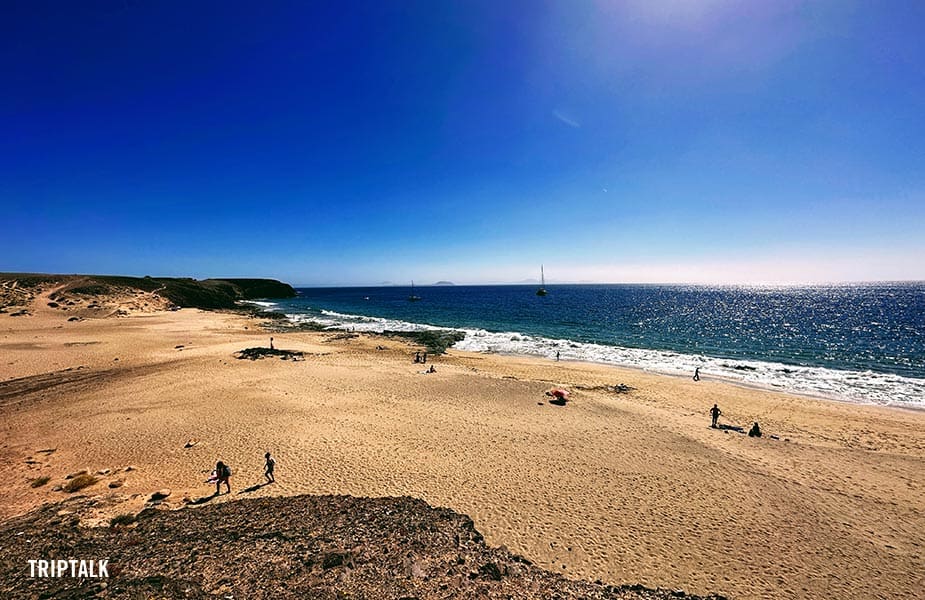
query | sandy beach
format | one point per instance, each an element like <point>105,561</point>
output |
<point>630,487</point>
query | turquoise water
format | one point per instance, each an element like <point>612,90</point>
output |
<point>862,343</point>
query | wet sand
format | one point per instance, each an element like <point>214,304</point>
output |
<point>623,487</point>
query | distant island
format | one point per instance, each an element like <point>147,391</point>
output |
<point>444,283</point>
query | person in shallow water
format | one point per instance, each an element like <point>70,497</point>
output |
<point>715,412</point>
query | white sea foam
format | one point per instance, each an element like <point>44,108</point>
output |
<point>866,387</point>
<point>261,303</point>
<point>854,386</point>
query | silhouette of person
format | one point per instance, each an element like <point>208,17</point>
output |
<point>269,467</point>
<point>557,356</point>
<point>755,431</point>
<point>424,358</point>
<point>271,343</point>
<point>697,374</point>
<point>715,412</point>
<point>222,474</point>
<point>417,357</point>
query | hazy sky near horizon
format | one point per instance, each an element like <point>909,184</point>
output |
<point>363,142</point>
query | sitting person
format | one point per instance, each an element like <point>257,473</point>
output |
<point>755,431</point>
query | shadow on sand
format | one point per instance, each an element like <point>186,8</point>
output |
<point>203,499</point>
<point>731,428</point>
<point>253,488</point>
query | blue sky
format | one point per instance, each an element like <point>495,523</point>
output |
<point>355,143</point>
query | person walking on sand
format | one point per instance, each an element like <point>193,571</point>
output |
<point>222,475</point>
<point>269,467</point>
<point>697,374</point>
<point>715,412</point>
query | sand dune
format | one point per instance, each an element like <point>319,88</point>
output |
<point>623,487</point>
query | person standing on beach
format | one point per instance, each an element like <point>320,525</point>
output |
<point>222,474</point>
<point>271,343</point>
<point>715,412</point>
<point>697,374</point>
<point>269,467</point>
<point>557,356</point>
<point>424,359</point>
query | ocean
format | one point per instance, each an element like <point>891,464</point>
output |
<point>860,343</point>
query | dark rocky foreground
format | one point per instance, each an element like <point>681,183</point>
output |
<point>302,547</point>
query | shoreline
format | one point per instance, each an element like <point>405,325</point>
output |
<point>270,307</point>
<point>624,487</point>
<point>717,378</point>
<point>745,385</point>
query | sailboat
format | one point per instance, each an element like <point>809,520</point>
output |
<point>412,297</point>
<point>542,290</point>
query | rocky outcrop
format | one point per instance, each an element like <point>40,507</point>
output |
<point>323,547</point>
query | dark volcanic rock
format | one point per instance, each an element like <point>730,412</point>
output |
<point>491,571</point>
<point>260,352</point>
<point>303,547</point>
<point>336,559</point>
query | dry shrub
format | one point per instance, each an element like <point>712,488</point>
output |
<point>79,483</point>
<point>122,520</point>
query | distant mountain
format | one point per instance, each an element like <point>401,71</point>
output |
<point>529,281</point>
<point>444,283</point>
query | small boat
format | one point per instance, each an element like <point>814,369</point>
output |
<point>542,291</point>
<point>412,297</point>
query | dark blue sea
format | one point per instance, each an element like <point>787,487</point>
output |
<point>860,342</point>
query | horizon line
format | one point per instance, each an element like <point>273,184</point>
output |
<point>449,283</point>
<point>548,283</point>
